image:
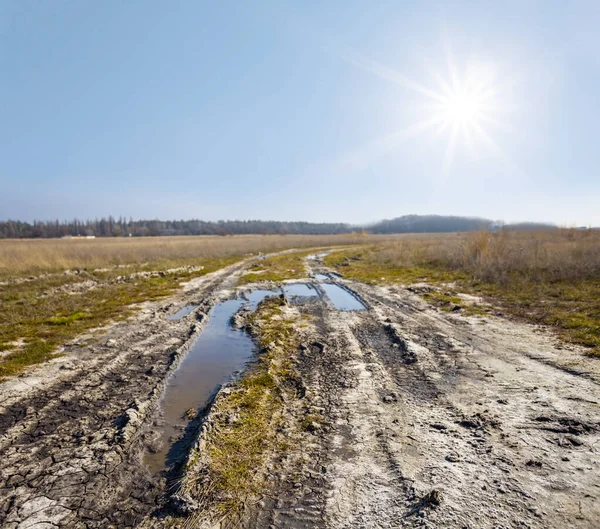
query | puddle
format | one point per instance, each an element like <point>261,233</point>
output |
<point>219,352</point>
<point>341,298</point>
<point>299,290</point>
<point>322,277</point>
<point>182,313</point>
<point>256,296</point>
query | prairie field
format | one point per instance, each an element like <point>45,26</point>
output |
<point>54,289</point>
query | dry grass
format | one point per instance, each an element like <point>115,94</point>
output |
<point>33,257</point>
<point>545,277</point>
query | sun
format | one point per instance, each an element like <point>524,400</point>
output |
<point>463,108</point>
<point>467,103</point>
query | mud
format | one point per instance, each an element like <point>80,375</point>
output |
<point>73,431</point>
<point>438,420</point>
<point>425,419</point>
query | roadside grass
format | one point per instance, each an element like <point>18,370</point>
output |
<point>549,278</point>
<point>363,264</point>
<point>246,420</point>
<point>572,307</point>
<point>38,316</point>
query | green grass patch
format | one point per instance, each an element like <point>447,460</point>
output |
<point>362,265</point>
<point>33,353</point>
<point>447,302</point>
<point>65,320</point>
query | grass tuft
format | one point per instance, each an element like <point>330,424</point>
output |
<point>66,320</point>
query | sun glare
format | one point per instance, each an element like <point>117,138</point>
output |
<point>465,103</point>
<point>463,108</point>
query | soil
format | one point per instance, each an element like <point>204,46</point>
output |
<point>426,419</point>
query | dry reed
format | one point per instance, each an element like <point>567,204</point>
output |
<point>503,256</point>
<point>23,257</point>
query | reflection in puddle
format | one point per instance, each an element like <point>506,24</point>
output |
<point>182,313</point>
<point>322,277</point>
<point>341,298</point>
<point>218,353</point>
<point>256,296</point>
<point>302,290</point>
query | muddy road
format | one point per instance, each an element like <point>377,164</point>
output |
<point>425,419</point>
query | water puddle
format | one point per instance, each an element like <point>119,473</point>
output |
<point>341,298</point>
<point>256,296</point>
<point>182,313</point>
<point>299,290</point>
<point>218,353</point>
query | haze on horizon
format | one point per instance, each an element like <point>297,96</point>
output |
<point>337,111</point>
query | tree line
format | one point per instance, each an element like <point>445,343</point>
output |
<point>121,227</point>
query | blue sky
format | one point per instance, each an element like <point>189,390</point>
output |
<point>321,111</point>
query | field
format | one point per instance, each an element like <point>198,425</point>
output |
<point>460,390</point>
<point>20,258</point>
<point>550,277</point>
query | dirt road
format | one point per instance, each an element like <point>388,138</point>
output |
<point>426,419</point>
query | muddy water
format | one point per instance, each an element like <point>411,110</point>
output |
<point>182,313</point>
<point>341,298</point>
<point>218,353</point>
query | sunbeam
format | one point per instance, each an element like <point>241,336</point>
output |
<point>464,103</point>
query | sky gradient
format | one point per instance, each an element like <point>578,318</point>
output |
<point>316,111</point>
